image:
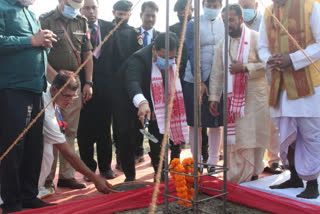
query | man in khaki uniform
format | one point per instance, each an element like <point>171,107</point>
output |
<point>72,45</point>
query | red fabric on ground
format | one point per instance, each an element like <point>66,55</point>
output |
<point>257,199</point>
<point>115,202</point>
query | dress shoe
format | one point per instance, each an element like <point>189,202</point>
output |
<point>139,159</point>
<point>109,174</point>
<point>35,203</point>
<point>273,169</point>
<point>86,179</point>
<point>128,179</point>
<point>70,183</point>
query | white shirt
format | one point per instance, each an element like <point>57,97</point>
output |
<point>150,34</point>
<point>303,107</point>
<point>51,129</point>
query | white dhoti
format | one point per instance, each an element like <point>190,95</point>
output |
<point>303,134</point>
<point>46,165</point>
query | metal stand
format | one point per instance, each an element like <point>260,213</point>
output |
<point>195,208</point>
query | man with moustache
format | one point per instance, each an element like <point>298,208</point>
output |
<point>248,113</point>
<point>95,116</point>
<point>294,91</point>
<point>23,59</point>
<point>72,46</point>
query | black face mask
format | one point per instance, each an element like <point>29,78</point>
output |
<point>118,19</point>
<point>181,19</point>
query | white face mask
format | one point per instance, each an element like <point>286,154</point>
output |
<point>26,3</point>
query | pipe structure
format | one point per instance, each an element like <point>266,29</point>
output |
<point>166,165</point>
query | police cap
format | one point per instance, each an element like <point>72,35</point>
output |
<point>181,5</point>
<point>122,5</point>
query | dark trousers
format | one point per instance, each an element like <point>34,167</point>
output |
<point>139,139</point>
<point>94,127</point>
<point>155,148</point>
<point>20,169</point>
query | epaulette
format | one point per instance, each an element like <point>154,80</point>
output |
<point>47,14</point>
<point>137,30</point>
<point>82,17</point>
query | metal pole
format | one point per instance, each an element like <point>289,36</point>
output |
<point>196,45</point>
<point>225,105</point>
<point>167,106</point>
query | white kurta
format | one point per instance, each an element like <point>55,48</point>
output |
<point>299,120</point>
<point>252,130</point>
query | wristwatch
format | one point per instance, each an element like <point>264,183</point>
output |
<point>89,83</point>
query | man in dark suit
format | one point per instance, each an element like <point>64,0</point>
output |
<point>148,15</point>
<point>95,117</point>
<point>119,47</point>
<point>140,68</point>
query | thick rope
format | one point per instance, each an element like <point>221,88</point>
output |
<point>153,205</point>
<point>290,36</point>
<point>65,85</point>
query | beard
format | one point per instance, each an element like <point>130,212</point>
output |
<point>235,32</point>
<point>26,3</point>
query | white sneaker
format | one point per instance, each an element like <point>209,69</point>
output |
<point>45,192</point>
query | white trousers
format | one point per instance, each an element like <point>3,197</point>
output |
<point>214,138</point>
<point>303,133</point>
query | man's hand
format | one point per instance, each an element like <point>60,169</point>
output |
<point>102,185</point>
<point>213,108</point>
<point>86,93</point>
<point>236,67</point>
<point>279,62</point>
<point>204,89</point>
<point>144,110</point>
<point>43,38</point>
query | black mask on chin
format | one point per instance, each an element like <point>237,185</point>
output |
<point>181,19</point>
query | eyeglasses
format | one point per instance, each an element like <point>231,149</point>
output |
<point>66,96</point>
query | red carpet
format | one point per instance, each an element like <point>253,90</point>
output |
<point>88,200</point>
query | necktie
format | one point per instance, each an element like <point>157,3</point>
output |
<point>93,39</point>
<point>145,38</point>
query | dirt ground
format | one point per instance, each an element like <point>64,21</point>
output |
<point>213,206</point>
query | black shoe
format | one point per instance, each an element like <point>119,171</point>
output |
<point>273,169</point>
<point>109,174</point>
<point>35,203</point>
<point>10,210</point>
<point>85,178</point>
<point>129,179</point>
<point>254,177</point>
<point>139,159</point>
<point>70,183</point>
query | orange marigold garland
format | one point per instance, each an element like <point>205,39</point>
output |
<point>184,184</point>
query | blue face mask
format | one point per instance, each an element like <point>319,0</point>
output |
<point>248,15</point>
<point>211,14</point>
<point>161,63</point>
<point>70,12</point>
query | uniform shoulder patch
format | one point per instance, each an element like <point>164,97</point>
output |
<point>45,15</point>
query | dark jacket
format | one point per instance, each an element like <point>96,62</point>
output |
<point>138,73</point>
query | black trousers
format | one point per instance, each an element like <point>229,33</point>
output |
<point>20,169</point>
<point>94,127</point>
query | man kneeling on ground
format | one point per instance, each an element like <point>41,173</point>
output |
<point>53,133</point>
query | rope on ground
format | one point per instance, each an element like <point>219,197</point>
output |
<point>65,85</point>
<point>153,205</point>
<point>290,36</point>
